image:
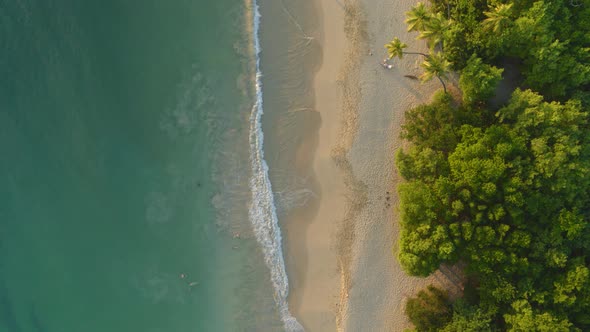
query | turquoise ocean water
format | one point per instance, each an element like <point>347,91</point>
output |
<point>127,138</point>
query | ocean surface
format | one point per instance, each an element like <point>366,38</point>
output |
<point>134,194</point>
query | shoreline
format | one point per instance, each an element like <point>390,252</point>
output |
<point>289,61</point>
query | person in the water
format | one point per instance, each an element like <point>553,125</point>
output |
<point>184,276</point>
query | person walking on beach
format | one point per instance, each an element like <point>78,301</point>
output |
<point>385,64</point>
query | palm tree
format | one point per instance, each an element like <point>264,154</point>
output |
<point>435,65</point>
<point>498,18</point>
<point>395,48</point>
<point>434,29</point>
<point>417,17</point>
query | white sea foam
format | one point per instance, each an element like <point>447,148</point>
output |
<point>262,213</point>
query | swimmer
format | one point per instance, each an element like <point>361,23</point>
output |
<point>182,276</point>
<point>194,283</point>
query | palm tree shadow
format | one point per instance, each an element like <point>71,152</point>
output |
<point>511,79</point>
<point>409,84</point>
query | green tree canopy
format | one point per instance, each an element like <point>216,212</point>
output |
<point>432,125</point>
<point>511,202</point>
<point>435,65</point>
<point>505,193</point>
<point>429,309</point>
<point>467,318</point>
<point>434,29</point>
<point>498,18</point>
<point>525,319</point>
<point>478,81</point>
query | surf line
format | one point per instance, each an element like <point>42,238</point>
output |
<point>262,211</point>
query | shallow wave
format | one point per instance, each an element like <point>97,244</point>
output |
<point>262,212</point>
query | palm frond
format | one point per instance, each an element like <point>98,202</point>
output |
<point>435,65</point>
<point>434,29</point>
<point>395,48</point>
<point>498,18</point>
<point>417,17</point>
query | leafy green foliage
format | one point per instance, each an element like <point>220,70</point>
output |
<point>421,163</point>
<point>498,19</point>
<point>507,193</point>
<point>466,35</point>
<point>434,29</point>
<point>555,70</point>
<point>478,81</point>
<point>526,319</point>
<point>425,239</point>
<point>429,310</point>
<point>432,125</point>
<point>435,65</point>
<point>467,318</point>
<point>550,38</point>
<point>509,199</point>
<point>547,37</point>
<point>395,48</point>
<point>417,17</point>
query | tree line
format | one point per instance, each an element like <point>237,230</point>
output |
<point>504,188</point>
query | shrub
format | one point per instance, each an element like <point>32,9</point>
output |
<point>478,81</point>
<point>429,310</point>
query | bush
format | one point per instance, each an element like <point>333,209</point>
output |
<point>431,125</point>
<point>429,310</point>
<point>468,318</point>
<point>478,81</point>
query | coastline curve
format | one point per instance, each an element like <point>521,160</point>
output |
<point>262,210</point>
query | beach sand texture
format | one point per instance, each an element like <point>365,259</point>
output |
<point>312,266</point>
<point>351,279</point>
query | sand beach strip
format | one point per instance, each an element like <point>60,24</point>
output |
<point>313,273</point>
<point>351,279</point>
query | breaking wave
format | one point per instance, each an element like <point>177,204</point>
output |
<point>262,210</point>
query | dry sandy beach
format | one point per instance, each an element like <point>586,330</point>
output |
<point>351,279</point>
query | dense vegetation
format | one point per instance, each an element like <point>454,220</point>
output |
<point>504,189</point>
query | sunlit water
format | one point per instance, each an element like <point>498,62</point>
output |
<point>126,167</point>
